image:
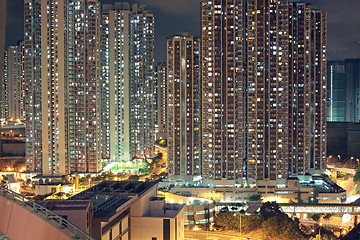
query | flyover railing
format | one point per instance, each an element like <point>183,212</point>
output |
<point>46,213</point>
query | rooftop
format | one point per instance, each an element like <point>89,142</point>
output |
<point>169,210</point>
<point>109,197</point>
<point>54,205</point>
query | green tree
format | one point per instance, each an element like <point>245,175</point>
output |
<point>227,221</point>
<point>254,198</point>
<point>269,209</point>
<point>250,223</point>
<point>356,178</point>
<point>289,230</point>
<point>316,217</point>
<point>134,178</point>
<point>282,227</point>
<point>271,226</point>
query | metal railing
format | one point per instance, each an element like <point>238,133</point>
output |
<point>46,213</point>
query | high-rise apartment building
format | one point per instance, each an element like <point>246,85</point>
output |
<point>32,80</point>
<point>14,104</point>
<point>343,98</point>
<point>267,76</point>
<point>307,89</point>
<point>2,49</point>
<point>161,76</point>
<point>142,141</point>
<point>352,68</point>
<point>184,108</point>
<point>85,93</point>
<point>222,91</point>
<point>115,62</point>
<point>336,91</point>
<point>62,84</point>
<point>127,80</point>
<point>264,91</point>
<point>56,78</point>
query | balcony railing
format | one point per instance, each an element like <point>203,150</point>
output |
<point>46,213</point>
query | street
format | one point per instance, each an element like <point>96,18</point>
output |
<point>201,235</point>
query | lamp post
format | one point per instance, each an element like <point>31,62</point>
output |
<point>240,220</point>
<point>320,230</point>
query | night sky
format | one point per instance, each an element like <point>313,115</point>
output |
<point>173,16</point>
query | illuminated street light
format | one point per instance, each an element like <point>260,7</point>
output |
<point>240,220</point>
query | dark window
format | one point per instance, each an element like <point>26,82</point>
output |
<point>166,229</point>
<point>153,238</point>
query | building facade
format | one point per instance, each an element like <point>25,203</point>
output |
<point>336,91</point>
<point>307,90</point>
<point>161,78</point>
<point>142,124</point>
<point>56,77</point>
<point>127,210</point>
<point>127,80</point>
<point>264,91</point>
<point>184,109</point>
<point>222,106</point>
<point>62,86</point>
<point>85,100</point>
<point>32,79</point>
<point>14,87</point>
<point>343,140</point>
<point>116,81</point>
<point>352,68</point>
<point>344,91</point>
<point>2,49</point>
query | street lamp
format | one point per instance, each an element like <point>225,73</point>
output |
<point>320,230</point>
<point>240,220</point>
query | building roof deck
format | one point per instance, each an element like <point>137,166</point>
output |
<point>170,210</point>
<point>109,197</point>
<point>55,205</point>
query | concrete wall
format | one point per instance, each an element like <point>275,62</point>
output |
<point>13,149</point>
<point>19,223</point>
<point>76,217</point>
<point>149,227</point>
<point>112,228</point>
<point>47,189</point>
<point>141,206</point>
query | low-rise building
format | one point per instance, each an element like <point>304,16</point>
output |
<point>127,210</point>
<point>74,211</point>
<point>301,189</point>
<point>197,210</point>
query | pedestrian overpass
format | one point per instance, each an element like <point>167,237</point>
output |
<point>294,208</point>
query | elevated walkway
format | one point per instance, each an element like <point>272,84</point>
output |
<point>23,219</point>
<point>353,209</point>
